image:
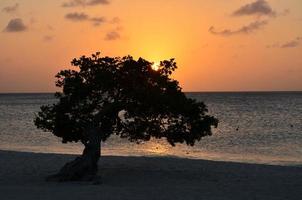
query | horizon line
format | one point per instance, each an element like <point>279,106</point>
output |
<point>205,91</point>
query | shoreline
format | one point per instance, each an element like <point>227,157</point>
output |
<point>22,177</point>
<point>215,157</point>
<point>187,92</point>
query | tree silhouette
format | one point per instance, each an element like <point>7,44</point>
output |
<point>121,96</point>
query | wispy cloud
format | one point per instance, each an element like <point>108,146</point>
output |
<point>292,44</point>
<point>247,29</point>
<point>48,38</point>
<point>11,9</point>
<point>97,2</point>
<point>275,45</point>
<point>259,8</point>
<point>115,20</point>
<point>77,16</point>
<point>98,20</point>
<point>83,3</point>
<point>15,25</point>
<point>113,35</point>
<point>284,12</point>
<point>50,28</point>
<point>83,17</point>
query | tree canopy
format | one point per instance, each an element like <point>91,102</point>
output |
<point>126,97</point>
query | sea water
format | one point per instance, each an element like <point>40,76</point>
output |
<point>255,127</point>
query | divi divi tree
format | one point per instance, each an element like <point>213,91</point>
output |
<point>121,96</point>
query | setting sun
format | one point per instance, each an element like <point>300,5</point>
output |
<point>155,66</point>
<point>141,99</point>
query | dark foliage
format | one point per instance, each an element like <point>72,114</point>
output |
<point>125,97</point>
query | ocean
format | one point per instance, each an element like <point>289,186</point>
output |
<point>255,127</point>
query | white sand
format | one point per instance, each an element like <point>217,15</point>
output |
<point>22,177</point>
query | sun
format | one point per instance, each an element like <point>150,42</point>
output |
<point>155,66</point>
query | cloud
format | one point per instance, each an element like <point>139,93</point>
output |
<point>292,44</point>
<point>77,16</point>
<point>285,12</point>
<point>15,25</point>
<point>76,3</point>
<point>247,29</point>
<point>48,38</point>
<point>50,28</point>
<point>11,9</point>
<point>259,8</point>
<point>97,2</point>
<point>82,17</point>
<point>115,20</point>
<point>98,20</point>
<point>113,35</point>
<point>275,45</point>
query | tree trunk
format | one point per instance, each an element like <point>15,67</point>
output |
<point>85,167</point>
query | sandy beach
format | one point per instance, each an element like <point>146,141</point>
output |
<point>22,177</point>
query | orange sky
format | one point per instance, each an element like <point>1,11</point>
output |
<point>234,45</point>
